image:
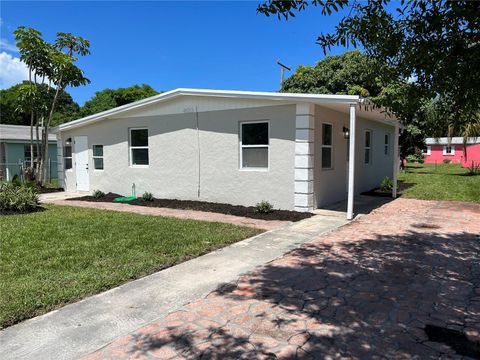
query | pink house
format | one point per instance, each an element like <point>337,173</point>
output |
<point>438,150</point>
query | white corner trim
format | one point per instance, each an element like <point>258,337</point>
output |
<point>304,157</point>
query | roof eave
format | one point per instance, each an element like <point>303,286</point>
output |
<point>347,99</point>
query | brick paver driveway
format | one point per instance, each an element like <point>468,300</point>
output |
<point>402,282</point>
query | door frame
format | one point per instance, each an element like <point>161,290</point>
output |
<point>77,152</point>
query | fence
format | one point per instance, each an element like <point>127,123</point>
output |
<point>10,171</point>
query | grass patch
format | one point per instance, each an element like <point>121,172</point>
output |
<point>63,254</point>
<point>440,182</point>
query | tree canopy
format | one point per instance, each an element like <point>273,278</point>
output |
<point>13,114</point>
<point>111,98</point>
<point>351,73</point>
<point>433,43</point>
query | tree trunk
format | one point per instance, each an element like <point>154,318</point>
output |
<point>45,131</point>
<point>39,147</point>
<point>32,118</point>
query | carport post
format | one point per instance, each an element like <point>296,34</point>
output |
<point>351,163</point>
<point>396,161</point>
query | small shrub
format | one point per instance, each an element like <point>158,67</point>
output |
<point>446,161</point>
<point>474,169</point>
<point>98,194</point>
<point>17,199</point>
<point>417,157</point>
<point>386,184</point>
<point>263,207</point>
<point>147,196</point>
<point>16,180</point>
<point>411,158</point>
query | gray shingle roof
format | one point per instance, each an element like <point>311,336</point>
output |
<point>19,133</point>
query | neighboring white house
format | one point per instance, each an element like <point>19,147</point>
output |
<point>236,147</point>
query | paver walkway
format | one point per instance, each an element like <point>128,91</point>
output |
<point>364,291</point>
<point>80,328</point>
<point>176,213</point>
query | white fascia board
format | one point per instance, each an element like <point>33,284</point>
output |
<point>272,95</point>
<point>454,141</point>
<point>294,97</point>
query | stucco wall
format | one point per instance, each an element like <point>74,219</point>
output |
<point>331,184</point>
<point>370,176</point>
<point>173,151</point>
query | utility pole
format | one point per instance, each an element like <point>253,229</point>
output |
<point>282,70</point>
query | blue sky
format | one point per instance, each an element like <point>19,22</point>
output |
<point>218,45</point>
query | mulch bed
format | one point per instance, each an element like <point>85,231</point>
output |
<point>401,186</point>
<point>46,190</point>
<point>237,210</point>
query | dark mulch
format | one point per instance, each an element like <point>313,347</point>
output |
<point>377,192</point>
<point>47,190</point>
<point>237,210</point>
<point>381,193</point>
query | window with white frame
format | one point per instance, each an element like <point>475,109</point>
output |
<point>428,150</point>
<point>97,152</point>
<point>368,147</point>
<point>448,150</point>
<point>327,146</point>
<point>386,144</point>
<point>27,156</point>
<point>67,154</point>
<point>139,147</point>
<point>254,145</point>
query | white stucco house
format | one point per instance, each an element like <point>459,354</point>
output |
<point>297,151</point>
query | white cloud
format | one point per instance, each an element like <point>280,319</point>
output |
<point>7,45</point>
<point>12,70</point>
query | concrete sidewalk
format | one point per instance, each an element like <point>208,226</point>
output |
<point>85,326</point>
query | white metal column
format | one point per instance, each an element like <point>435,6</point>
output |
<point>396,161</point>
<point>351,164</point>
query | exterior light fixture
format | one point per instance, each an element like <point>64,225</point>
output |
<point>346,133</point>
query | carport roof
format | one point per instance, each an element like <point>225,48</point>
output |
<point>332,101</point>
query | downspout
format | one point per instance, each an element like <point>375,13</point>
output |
<point>199,154</point>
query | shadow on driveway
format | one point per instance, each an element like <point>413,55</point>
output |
<point>365,291</point>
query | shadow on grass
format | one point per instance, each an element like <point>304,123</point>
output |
<point>9,213</point>
<point>369,298</point>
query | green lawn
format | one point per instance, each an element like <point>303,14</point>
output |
<point>440,182</point>
<point>63,254</point>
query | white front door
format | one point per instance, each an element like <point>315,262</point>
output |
<point>80,147</point>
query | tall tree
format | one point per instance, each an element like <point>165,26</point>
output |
<point>355,73</point>
<point>54,63</point>
<point>110,98</point>
<point>350,73</point>
<point>34,52</point>
<point>62,73</point>
<point>66,109</point>
<point>434,43</point>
